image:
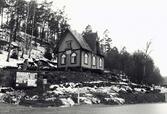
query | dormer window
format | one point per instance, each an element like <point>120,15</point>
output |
<point>63,59</point>
<point>68,44</point>
<point>73,58</point>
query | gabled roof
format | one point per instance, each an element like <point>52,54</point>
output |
<point>90,45</point>
<point>80,40</point>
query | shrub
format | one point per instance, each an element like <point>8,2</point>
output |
<point>14,55</point>
<point>48,54</point>
<point>142,98</point>
<point>74,97</point>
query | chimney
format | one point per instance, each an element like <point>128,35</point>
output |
<point>91,39</point>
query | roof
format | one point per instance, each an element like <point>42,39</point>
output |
<point>88,43</point>
<point>81,40</point>
<point>91,39</point>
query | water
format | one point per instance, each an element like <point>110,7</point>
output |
<point>125,109</point>
<point>160,108</point>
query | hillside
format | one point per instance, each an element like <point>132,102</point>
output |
<point>36,53</point>
<point>68,88</point>
<point>65,88</point>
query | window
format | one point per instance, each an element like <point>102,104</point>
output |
<point>68,44</point>
<point>94,61</point>
<point>101,62</point>
<point>63,59</point>
<point>73,58</point>
<point>86,58</point>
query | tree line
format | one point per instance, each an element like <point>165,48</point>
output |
<point>138,66</point>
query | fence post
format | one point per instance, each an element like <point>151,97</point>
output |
<point>78,96</point>
<point>44,84</point>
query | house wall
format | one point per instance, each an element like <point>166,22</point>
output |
<point>75,47</point>
<point>74,44</point>
<point>68,59</point>
<point>89,65</point>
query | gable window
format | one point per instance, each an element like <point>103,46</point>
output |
<point>86,58</point>
<point>73,58</point>
<point>94,60</point>
<point>68,44</point>
<point>63,59</point>
<point>101,62</point>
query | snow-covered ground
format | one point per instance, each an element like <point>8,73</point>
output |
<point>87,95</point>
<point>90,95</point>
<point>70,93</point>
<point>36,53</point>
<point>11,63</point>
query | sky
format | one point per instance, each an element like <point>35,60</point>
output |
<point>132,23</point>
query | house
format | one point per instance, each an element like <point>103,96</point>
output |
<point>75,51</point>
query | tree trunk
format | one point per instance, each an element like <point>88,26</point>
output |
<point>22,55</point>
<point>12,27</point>
<point>16,29</point>
<point>33,25</point>
<point>25,31</point>
<point>30,43</point>
<point>1,16</point>
<point>9,48</point>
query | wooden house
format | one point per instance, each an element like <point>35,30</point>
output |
<point>75,51</point>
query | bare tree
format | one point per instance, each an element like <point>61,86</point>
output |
<point>33,26</point>
<point>147,51</point>
<point>148,45</point>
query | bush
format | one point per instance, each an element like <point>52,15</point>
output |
<point>74,97</point>
<point>101,96</point>
<point>14,55</point>
<point>48,53</point>
<point>105,98</point>
<point>142,98</point>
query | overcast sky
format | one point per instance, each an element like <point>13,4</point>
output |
<point>131,23</point>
